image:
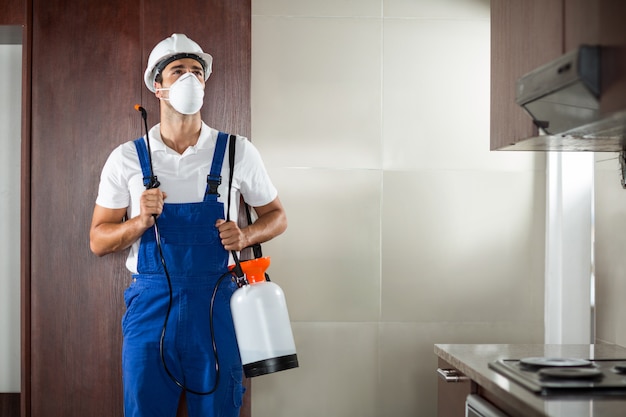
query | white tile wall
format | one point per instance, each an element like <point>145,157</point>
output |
<point>328,261</point>
<point>337,375</point>
<point>449,252</point>
<point>10,117</point>
<point>610,215</point>
<point>317,95</point>
<point>404,229</point>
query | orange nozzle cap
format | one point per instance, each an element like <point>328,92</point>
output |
<point>255,269</point>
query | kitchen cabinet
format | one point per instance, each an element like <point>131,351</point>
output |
<point>452,389</point>
<point>524,35</point>
<point>528,34</point>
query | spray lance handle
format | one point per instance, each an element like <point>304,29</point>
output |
<point>151,181</point>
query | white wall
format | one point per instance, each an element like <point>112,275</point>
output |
<point>610,262</point>
<point>404,229</point>
<point>569,248</point>
<point>10,115</point>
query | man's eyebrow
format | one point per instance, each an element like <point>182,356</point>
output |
<point>197,66</point>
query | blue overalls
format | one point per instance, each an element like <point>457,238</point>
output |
<point>195,259</point>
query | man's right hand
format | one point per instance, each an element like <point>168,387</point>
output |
<point>151,205</point>
<point>110,233</point>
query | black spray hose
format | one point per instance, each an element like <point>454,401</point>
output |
<point>167,315</point>
<point>154,183</point>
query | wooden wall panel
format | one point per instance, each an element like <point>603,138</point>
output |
<point>85,60</point>
<point>9,404</point>
<point>88,60</point>
<point>13,12</point>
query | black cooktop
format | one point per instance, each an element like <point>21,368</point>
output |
<point>549,376</point>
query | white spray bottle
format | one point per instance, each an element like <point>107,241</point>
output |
<point>261,322</point>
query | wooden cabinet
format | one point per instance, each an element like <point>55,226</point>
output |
<point>451,394</point>
<point>528,34</point>
<point>524,35</point>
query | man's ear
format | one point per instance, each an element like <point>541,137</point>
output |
<point>158,92</point>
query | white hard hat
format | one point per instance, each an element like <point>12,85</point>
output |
<point>177,46</point>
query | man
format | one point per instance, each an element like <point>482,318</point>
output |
<point>189,247</point>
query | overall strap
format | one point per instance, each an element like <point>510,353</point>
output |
<point>214,179</point>
<point>142,152</point>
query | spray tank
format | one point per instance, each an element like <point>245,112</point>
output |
<point>261,322</point>
<point>258,307</point>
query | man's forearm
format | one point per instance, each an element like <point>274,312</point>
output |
<point>108,238</point>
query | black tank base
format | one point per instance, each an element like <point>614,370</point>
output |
<point>271,365</point>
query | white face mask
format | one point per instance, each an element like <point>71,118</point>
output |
<point>186,94</point>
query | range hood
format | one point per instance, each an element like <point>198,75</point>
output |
<point>564,94</point>
<point>563,99</point>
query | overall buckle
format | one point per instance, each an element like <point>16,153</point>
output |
<point>212,183</point>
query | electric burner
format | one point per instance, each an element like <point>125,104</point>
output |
<point>550,376</point>
<point>553,362</point>
<point>570,373</point>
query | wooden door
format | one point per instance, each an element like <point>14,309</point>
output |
<point>87,61</point>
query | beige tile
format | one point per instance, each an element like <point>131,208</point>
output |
<point>353,8</point>
<point>408,382</point>
<point>328,261</point>
<point>462,246</point>
<point>316,93</point>
<point>336,377</point>
<point>10,212</point>
<point>436,98</point>
<point>440,9</point>
<point>607,161</point>
<point>610,264</point>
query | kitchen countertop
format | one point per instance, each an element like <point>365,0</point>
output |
<point>473,359</point>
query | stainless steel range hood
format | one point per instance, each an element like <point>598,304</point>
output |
<point>563,99</point>
<point>565,93</point>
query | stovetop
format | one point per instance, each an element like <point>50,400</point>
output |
<point>550,376</point>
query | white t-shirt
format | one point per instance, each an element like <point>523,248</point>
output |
<point>183,177</point>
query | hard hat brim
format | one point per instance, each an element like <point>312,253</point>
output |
<point>151,72</point>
